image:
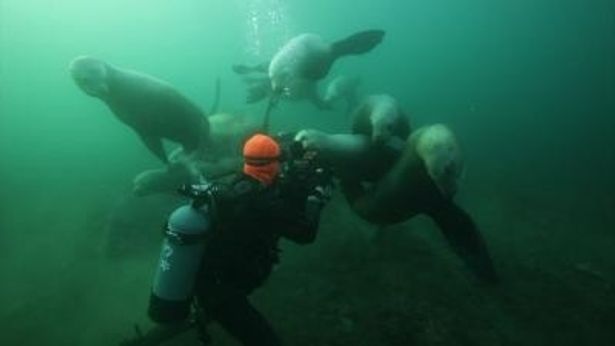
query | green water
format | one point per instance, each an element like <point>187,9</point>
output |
<point>528,87</point>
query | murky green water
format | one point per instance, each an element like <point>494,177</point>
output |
<point>528,87</point>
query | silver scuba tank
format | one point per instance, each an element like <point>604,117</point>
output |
<point>180,259</point>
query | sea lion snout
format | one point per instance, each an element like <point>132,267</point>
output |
<point>381,135</point>
<point>90,75</point>
<point>383,127</point>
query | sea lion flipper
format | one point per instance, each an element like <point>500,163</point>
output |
<point>258,90</point>
<point>466,241</point>
<point>154,144</point>
<point>359,43</point>
<point>216,103</point>
<point>318,101</point>
<point>242,69</point>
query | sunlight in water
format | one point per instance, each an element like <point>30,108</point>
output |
<point>267,26</point>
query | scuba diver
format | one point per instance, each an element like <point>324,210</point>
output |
<point>223,245</point>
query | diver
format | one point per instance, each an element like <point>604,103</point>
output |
<point>233,229</point>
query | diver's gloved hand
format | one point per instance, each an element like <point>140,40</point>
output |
<point>321,194</point>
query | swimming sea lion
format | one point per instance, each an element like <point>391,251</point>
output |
<point>419,179</point>
<point>380,117</point>
<point>151,107</point>
<point>183,169</point>
<point>228,132</point>
<point>161,180</point>
<point>353,157</point>
<point>424,181</point>
<point>305,59</point>
<point>342,88</point>
<point>221,157</point>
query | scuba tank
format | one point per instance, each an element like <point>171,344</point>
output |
<point>180,257</point>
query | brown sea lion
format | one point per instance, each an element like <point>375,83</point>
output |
<point>424,181</point>
<point>154,109</point>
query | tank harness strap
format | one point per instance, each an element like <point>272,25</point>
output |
<point>183,239</point>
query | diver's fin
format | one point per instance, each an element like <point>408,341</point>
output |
<point>154,144</point>
<point>465,239</point>
<point>359,43</point>
<point>158,334</point>
<point>216,103</point>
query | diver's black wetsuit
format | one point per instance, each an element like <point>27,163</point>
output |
<point>239,256</point>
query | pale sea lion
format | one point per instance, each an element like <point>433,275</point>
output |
<point>305,59</point>
<point>169,179</point>
<point>342,88</point>
<point>353,157</point>
<point>181,169</point>
<point>380,117</point>
<point>222,157</point>
<point>154,109</point>
<point>228,131</point>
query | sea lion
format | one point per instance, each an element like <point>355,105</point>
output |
<point>424,177</point>
<point>161,180</point>
<point>385,185</point>
<point>352,157</point>
<point>299,64</point>
<point>424,181</point>
<point>221,157</point>
<point>307,58</point>
<point>228,131</point>
<point>151,107</point>
<point>342,88</point>
<point>169,179</point>
<point>380,117</point>
<point>183,169</point>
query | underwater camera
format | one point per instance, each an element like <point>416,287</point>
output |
<point>300,167</point>
<point>291,149</point>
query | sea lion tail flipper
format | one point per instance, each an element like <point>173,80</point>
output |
<point>242,69</point>
<point>217,91</point>
<point>154,144</point>
<point>318,101</point>
<point>273,102</point>
<point>359,43</point>
<point>466,241</point>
